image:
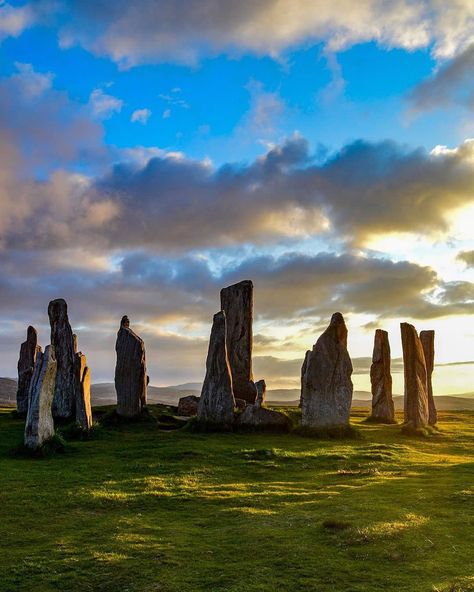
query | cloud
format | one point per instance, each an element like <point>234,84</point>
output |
<point>467,257</point>
<point>174,203</point>
<point>103,105</point>
<point>14,20</point>
<point>159,30</point>
<point>452,83</point>
<point>141,115</point>
<point>166,113</point>
<point>33,84</point>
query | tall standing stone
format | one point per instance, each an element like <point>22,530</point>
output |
<point>383,409</point>
<point>216,405</point>
<point>414,368</point>
<point>261,393</point>
<point>26,364</point>
<point>39,421</point>
<point>131,379</point>
<point>237,304</point>
<point>427,339</point>
<point>64,343</point>
<point>83,392</point>
<point>326,389</point>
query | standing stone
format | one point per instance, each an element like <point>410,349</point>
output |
<point>216,405</point>
<point>131,379</point>
<point>427,341</point>
<point>82,377</point>
<point>64,344</point>
<point>26,364</point>
<point>414,368</point>
<point>39,422</point>
<point>383,409</point>
<point>237,304</point>
<point>326,389</point>
<point>261,393</point>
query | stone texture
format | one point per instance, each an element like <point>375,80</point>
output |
<point>26,364</point>
<point>261,392</point>
<point>64,343</point>
<point>427,339</point>
<point>240,403</point>
<point>39,421</point>
<point>188,405</point>
<point>257,417</point>
<point>326,389</point>
<point>82,392</point>
<point>414,368</point>
<point>216,405</point>
<point>237,304</point>
<point>383,409</point>
<point>131,379</point>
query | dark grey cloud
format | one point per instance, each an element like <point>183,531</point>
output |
<point>467,257</point>
<point>171,300</point>
<point>177,204</point>
<point>452,83</point>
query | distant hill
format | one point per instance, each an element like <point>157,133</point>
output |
<point>103,393</point>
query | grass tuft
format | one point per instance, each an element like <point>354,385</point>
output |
<point>345,432</point>
<point>53,446</point>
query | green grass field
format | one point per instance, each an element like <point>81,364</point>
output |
<point>141,509</point>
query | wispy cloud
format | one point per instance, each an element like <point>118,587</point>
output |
<point>103,105</point>
<point>141,116</point>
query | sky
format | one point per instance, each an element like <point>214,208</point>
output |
<point>153,152</point>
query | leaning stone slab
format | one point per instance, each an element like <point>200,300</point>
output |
<point>26,364</point>
<point>188,405</point>
<point>414,368</point>
<point>427,339</point>
<point>237,304</point>
<point>39,422</point>
<point>131,379</point>
<point>83,392</point>
<point>216,405</point>
<point>64,343</point>
<point>383,409</point>
<point>326,389</point>
<point>261,418</point>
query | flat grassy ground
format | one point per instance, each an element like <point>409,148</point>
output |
<point>140,509</point>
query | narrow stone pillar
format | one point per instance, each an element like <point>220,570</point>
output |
<point>414,368</point>
<point>26,364</point>
<point>383,409</point>
<point>427,339</point>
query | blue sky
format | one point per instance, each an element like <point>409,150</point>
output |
<point>155,151</point>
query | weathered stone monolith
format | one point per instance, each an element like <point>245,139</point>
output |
<point>131,379</point>
<point>326,389</point>
<point>414,368</point>
<point>261,392</point>
<point>83,392</point>
<point>63,340</point>
<point>39,421</point>
<point>427,339</point>
<point>26,364</point>
<point>237,303</point>
<point>188,405</point>
<point>216,405</point>
<point>383,409</point>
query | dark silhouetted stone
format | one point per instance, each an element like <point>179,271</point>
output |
<point>261,418</point>
<point>237,303</point>
<point>326,389</point>
<point>261,393</point>
<point>414,367</point>
<point>188,405</point>
<point>427,339</point>
<point>131,379</point>
<point>240,403</point>
<point>26,364</point>
<point>83,392</point>
<point>39,421</point>
<point>216,405</point>
<point>383,409</point>
<point>62,338</point>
